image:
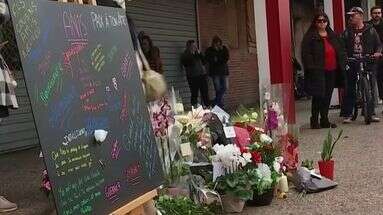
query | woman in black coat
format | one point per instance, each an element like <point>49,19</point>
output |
<point>324,62</point>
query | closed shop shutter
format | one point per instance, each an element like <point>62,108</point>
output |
<point>18,131</point>
<point>170,23</point>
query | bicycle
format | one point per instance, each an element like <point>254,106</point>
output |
<point>363,88</point>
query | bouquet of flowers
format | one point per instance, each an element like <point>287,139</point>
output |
<point>161,116</point>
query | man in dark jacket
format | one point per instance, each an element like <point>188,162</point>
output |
<point>217,57</point>
<point>193,63</point>
<point>359,39</point>
<point>377,22</point>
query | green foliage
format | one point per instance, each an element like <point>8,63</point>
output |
<point>245,115</point>
<point>309,164</point>
<point>328,145</point>
<point>269,153</point>
<point>262,185</point>
<point>181,206</point>
<point>178,169</point>
<point>235,184</point>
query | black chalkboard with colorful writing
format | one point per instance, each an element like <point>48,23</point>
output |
<point>82,75</point>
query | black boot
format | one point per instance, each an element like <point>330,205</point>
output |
<point>314,123</point>
<point>324,123</point>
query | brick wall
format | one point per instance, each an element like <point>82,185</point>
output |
<point>243,80</point>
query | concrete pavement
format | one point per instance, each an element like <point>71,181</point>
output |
<point>359,172</point>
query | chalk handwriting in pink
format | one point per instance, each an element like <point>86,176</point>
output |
<point>124,108</point>
<point>69,54</point>
<point>133,174</point>
<point>115,150</point>
<point>94,107</point>
<point>87,93</point>
<point>111,191</point>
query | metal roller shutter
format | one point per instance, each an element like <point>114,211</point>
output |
<point>18,131</point>
<point>170,23</point>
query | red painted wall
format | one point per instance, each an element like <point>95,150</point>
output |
<point>243,79</point>
<point>279,36</point>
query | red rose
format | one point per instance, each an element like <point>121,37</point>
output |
<point>243,150</point>
<point>256,157</point>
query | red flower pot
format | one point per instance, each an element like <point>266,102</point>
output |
<point>326,169</point>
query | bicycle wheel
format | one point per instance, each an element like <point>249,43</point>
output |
<point>367,99</point>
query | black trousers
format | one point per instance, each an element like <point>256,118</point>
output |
<point>198,85</point>
<point>321,104</point>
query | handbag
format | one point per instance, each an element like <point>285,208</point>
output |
<point>154,83</point>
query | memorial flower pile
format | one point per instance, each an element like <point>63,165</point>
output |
<point>193,128</point>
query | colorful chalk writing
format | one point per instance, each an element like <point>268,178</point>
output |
<point>127,65</point>
<point>115,84</point>
<point>98,58</point>
<point>115,150</point>
<point>68,138</point>
<point>26,25</point>
<point>97,107</point>
<point>111,191</point>
<point>79,197</point>
<point>58,112</point>
<point>133,174</point>
<point>133,139</point>
<point>72,52</point>
<point>74,28</point>
<point>52,81</point>
<point>103,22</point>
<point>81,73</point>
<point>93,123</point>
<point>68,160</point>
<point>112,53</point>
<point>87,93</point>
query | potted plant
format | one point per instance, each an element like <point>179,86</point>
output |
<point>235,189</point>
<point>265,169</point>
<point>326,165</point>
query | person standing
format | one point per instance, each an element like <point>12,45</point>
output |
<point>217,57</point>
<point>193,63</point>
<point>377,22</point>
<point>5,205</point>
<point>151,52</point>
<point>324,62</point>
<point>360,39</point>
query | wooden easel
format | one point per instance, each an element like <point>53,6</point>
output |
<point>143,205</point>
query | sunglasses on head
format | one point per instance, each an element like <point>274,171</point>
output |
<point>321,21</point>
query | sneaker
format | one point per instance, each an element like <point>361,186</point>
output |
<point>6,206</point>
<point>375,119</point>
<point>347,120</point>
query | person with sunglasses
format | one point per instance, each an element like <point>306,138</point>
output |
<point>324,62</point>
<point>360,39</point>
<point>377,22</point>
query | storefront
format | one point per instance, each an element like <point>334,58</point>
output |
<point>170,24</point>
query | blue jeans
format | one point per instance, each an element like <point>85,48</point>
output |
<point>220,86</point>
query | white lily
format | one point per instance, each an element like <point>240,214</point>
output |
<point>265,139</point>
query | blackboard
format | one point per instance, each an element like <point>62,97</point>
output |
<point>81,74</point>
